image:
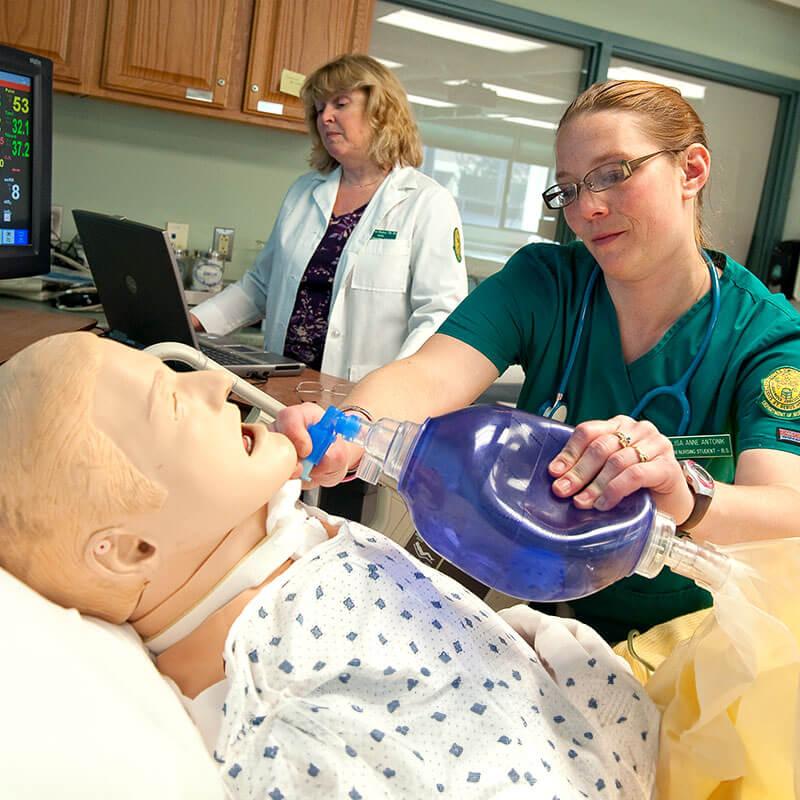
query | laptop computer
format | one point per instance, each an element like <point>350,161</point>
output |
<point>139,284</point>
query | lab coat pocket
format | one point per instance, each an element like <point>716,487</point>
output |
<point>382,266</point>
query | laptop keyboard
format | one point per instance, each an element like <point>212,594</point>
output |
<point>225,357</point>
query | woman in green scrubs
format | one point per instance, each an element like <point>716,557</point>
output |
<point>632,161</point>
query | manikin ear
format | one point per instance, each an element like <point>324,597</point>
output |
<point>696,170</point>
<point>116,553</point>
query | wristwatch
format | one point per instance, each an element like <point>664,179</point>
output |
<point>701,485</point>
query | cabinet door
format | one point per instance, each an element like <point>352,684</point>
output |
<point>175,49</point>
<point>299,35</point>
<point>55,29</point>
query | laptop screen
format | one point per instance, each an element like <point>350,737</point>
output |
<point>137,277</point>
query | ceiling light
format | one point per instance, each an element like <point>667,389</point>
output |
<point>518,94</point>
<point>429,101</point>
<point>459,32</point>
<point>388,63</point>
<point>533,123</point>
<point>508,92</point>
<point>692,91</point>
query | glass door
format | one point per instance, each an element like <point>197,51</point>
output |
<point>740,125</point>
<point>487,103</point>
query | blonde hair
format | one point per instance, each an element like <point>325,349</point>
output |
<point>664,116</point>
<point>62,479</point>
<point>395,137</point>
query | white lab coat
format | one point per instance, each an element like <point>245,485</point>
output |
<point>389,294</point>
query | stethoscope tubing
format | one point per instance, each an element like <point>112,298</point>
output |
<point>677,390</point>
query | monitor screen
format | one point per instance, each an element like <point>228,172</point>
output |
<point>26,96</point>
<point>16,113</point>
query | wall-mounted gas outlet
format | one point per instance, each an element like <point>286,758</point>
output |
<point>178,233</point>
<point>223,243</point>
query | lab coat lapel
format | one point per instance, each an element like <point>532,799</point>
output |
<point>324,193</point>
<point>397,186</point>
<point>400,182</point>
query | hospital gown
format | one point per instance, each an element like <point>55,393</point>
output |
<point>361,673</point>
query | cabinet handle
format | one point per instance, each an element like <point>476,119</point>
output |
<point>200,94</point>
<point>254,87</point>
<point>265,107</point>
<point>220,81</point>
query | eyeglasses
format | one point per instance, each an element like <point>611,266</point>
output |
<point>597,180</point>
<point>315,392</point>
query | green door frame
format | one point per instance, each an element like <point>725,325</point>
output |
<point>599,46</point>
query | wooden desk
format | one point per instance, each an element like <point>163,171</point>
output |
<point>21,327</point>
<point>283,388</point>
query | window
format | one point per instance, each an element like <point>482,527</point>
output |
<point>487,101</point>
<point>739,125</point>
<point>487,104</point>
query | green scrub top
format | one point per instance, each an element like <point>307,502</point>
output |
<point>747,385</point>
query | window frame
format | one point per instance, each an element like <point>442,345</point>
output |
<point>600,46</point>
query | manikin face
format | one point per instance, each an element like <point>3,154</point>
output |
<point>629,227</point>
<point>178,429</point>
<point>343,126</point>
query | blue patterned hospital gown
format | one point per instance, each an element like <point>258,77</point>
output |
<point>362,674</point>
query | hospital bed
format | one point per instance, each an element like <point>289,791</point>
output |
<point>86,715</point>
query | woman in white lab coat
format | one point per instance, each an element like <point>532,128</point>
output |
<point>365,260</point>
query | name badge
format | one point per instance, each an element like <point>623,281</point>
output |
<point>713,446</point>
<point>379,233</point>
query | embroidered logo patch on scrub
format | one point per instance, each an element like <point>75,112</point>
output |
<point>780,393</point>
<point>457,244</point>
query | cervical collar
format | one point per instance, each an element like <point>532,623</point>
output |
<point>290,533</point>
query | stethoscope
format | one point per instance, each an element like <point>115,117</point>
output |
<point>676,390</point>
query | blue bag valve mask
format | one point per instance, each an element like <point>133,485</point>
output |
<point>478,489</point>
<point>323,433</point>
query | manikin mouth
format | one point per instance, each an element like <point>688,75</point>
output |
<point>248,440</point>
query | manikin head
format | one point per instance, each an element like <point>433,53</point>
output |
<point>116,472</point>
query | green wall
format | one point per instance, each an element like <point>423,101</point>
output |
<point>158,166</point>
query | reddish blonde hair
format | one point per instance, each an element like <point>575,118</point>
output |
<point>664,116</point>
<point>395,137</point>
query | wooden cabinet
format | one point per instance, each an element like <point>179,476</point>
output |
<point>60,30</point>
<point>216,58</point>
<point>173,49</point>
<point>299,35</point>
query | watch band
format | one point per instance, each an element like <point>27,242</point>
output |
<point>701,485</point>
<point>701,504</point>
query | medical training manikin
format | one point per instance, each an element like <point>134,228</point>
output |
<point>318,658</point>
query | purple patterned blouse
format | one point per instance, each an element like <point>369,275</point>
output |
<point>308,324</point>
